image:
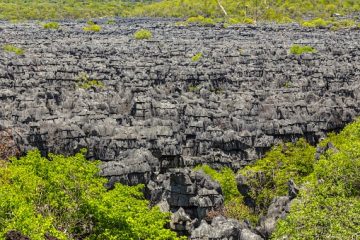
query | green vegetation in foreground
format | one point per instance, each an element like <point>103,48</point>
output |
<point>142,34</point>
<point>84,81</point>
<point>328,204</point>
<point>196,57</point>
<point>298,49</point>
<point>269,176</point>
<point>51,25</point>
<point>13,49</point>
<point>64,197</point>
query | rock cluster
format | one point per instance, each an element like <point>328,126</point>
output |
<point>193,191</point>
<point>157,111</point>
<point>245,94</point>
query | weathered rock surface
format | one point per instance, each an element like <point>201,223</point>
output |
<point>224,229</point>
<point>193,191</point>
<point>159,110</point>
<point>245,94</point>
<point>278,209</point>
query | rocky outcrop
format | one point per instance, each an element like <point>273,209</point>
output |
<point>193,191</point>
<point>277,210</point>
<point>225,229</point>
<point>14,235</point>
<point>159,111</point>
<point>245,94</point>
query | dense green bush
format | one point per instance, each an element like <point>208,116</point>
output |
<point>269,176</point>
<point>84,81</point>
<point>13,49</point>
<point>316,22</point>
<point>92,27</point>
<point>64,9</point>
<point>51,25</point>
<point>245,11</point>
<point>328,206</point>
<point>234,205</point>
<point>298,49</point>
<point>196,57</point>
<point>260,10</point>
<point>64,197</point>
<point>142,34</point>
<point>200,20</point>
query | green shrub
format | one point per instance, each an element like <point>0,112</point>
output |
<point>65,9</point>
<point>336,25</point>
<point>269,176</point>
<point>193,88</point>
<point>328,206</point>
<point>196,57</point>
<point>83,81</point>
<point>201,20</point>
<point>262,10</point>
<point>111,22</point>
<point>92,27</point>
<point>316,23</point>
<point>298,49</point>
<point>142,34</point>
<point>51,25</point>
<point>13,49</point>
<point>64,197</point>
<point>234,205</point>
<point>225,177</point>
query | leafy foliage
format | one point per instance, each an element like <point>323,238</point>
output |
<point>234,204</point>
<point>65,9</point>
<point>13,49</point>
<point>329,203</point>
<point>196,57</point>
<point>193,88</point>
<point>51,25</point>
<point>332,24</point>
<point>65,198</point>
<point>269,176</point>
<point>298,49</point>
<point>260,10</point>
<point>85,82</point>
<point>246,11</point>
<point>92,27</point>
<point>201,21</point>
<point>316,22</point>
<point>142,34</point>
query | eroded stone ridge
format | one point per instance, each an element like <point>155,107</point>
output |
<point>246,93</point>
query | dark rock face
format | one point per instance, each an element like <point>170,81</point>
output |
<point>245,94</point>
<point>159,111</point>
<point>222,228</point>
<point>14,235</point>
<point>278,209</point>
<point>193,191</point>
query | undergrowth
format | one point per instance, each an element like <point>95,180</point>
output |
<point>142,34</point>
<point>13,49</point>
<point>328,204</point>
<point>299,49</point>
<point>64,197</point>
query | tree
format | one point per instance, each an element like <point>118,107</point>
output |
<point>64,197</point>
